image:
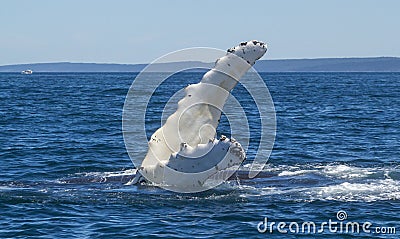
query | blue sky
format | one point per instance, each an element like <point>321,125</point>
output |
<point>123,31</point>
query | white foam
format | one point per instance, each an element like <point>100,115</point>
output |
<point>345,171</point>
<point>346,183</point>
<point>376,190</point>
<point>340,171</point>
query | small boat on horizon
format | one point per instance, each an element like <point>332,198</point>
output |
<point>26,72</point>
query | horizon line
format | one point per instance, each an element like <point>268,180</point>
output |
<point>273,59</point>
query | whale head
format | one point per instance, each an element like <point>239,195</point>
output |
<point>249,51</point>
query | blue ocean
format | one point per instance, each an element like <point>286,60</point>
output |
<point>63,162</point>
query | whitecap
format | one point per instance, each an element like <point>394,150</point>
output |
<point>346,172</point>
<point>376,190</point>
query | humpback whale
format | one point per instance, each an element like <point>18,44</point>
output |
<point>184,155</point>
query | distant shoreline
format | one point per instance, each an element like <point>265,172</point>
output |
<point>369,64</point>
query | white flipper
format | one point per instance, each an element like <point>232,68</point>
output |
<point>185,144</point>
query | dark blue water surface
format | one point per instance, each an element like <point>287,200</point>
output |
<point>63,160</point>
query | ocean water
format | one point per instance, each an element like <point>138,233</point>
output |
<point>63,162</point>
